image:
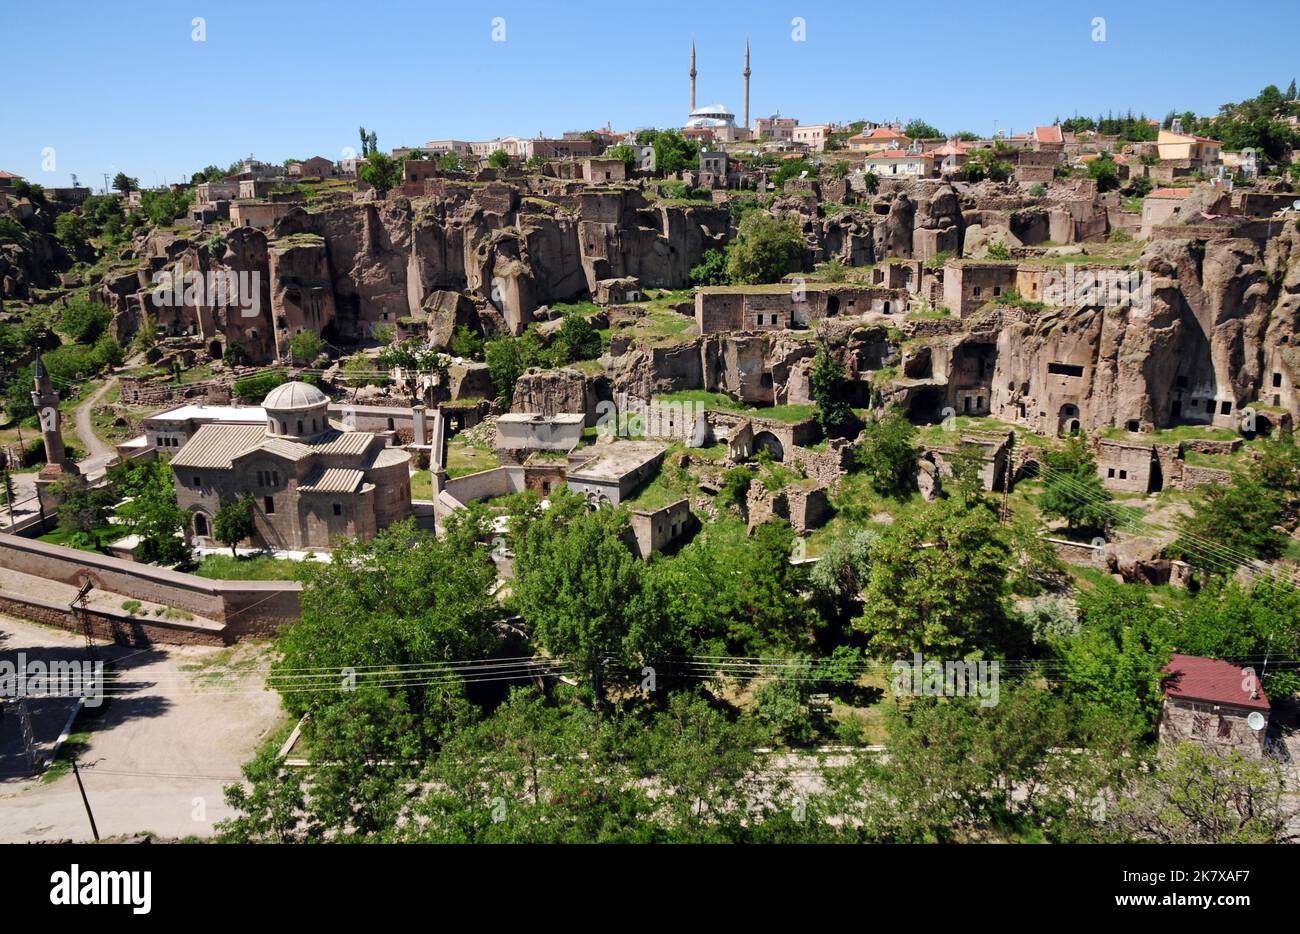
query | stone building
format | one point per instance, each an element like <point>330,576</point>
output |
<point>311,483</point>
<point>1212,702</point>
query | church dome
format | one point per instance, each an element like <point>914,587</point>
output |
<point>294,397</point>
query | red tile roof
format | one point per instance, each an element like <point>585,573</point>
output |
<point>4,174</point>
<point>1170,193</point>
<point>882,132</point>
<point>1213,681</point>
<point>1048,134</point>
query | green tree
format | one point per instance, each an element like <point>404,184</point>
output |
<point>827,382</point>
<point>765,249</point>
<point>919,129</point>
<point>272,809</point>
<point>729,592</point>
<point>234,521</point>
<point>581,590</point>
<point>1113,665</point>
<point>624,152</point>
<point>405,599</point>
<point>967,465</point>
<point>1200,795</point>
<point>1072,487</point>
<point>381,172</point>
<point>887,452</point>
<point>83,320</point>
<point>673,153</point>
<point>576,340</point>
<point>712,269</point>
<point>450,162</point>
<point>305,347</point>
<point>1231,524</point>
<point>125,183</point>
<point>498,159</point>
<point>938,579</point>
<point>1104,172</point>
<point>153,515</point>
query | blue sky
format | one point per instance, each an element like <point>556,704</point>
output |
<point>122,85</point>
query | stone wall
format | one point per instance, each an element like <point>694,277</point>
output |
<point>244,607</point>
<point>1216,726</point>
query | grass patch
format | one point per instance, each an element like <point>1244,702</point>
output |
<point>250,568</point>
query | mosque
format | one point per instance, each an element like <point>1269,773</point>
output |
<point>716,120</point>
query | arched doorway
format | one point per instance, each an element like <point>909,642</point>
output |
<point>201,525</point>
<point>1068,419</point>
<point>215,350</point>
<point>766,441</point>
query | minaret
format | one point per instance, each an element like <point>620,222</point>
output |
<point>46,401</point>
<point>747,82</point>
<point>692,76</point>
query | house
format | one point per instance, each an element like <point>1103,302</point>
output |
<point>1161,206</point>
<point>1202,153</point>
<point>899,163</point>
<point>879,139</point>
<point>604,170</point>
<point>311,483</point>
<point>952,156</point>
<point>315,167</point>
<point>1048,138</point>
<point>1215,703</point>
<point>813,136</point>
<point>776,128</point>
<point>9,179</point>
<point>713,168</point>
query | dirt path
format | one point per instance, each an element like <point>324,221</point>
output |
<point>99,453</point>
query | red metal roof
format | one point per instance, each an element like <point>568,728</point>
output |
<point>1213,681</point>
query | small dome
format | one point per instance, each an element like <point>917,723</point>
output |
<point>293,397</point>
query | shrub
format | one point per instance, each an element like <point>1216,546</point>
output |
<point>253,389</point>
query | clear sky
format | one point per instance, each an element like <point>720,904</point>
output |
<point>115,85</point>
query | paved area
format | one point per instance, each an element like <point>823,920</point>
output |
<point>156,756</point>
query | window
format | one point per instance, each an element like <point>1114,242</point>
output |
<point>300,426</point>
<point>1277,380</point>
<point>1123,474</point>
<point>1225,408</point>
<point>275,477</point>
<point>268,502</point>
<point>1225,728</point>
<point>1200,725</point>
<point>978,291</point>
<point>1110,472</point>
<point>197,483</point>
<point>1065,369</point>
<point>338,509</point>
<point>997,290</point>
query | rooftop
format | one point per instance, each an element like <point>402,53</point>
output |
<point>1214,681</point>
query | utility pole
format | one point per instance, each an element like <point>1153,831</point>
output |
<point>29,738</point>
<point>79,608</point>
<point>84,800</point>
<point>1004,514</point>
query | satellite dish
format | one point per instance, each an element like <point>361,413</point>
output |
<point>1255,721</point>
<point>1296,205</point>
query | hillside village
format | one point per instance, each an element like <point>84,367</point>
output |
<point>586,438</point>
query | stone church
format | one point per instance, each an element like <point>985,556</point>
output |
<point>312,483</point>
